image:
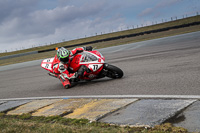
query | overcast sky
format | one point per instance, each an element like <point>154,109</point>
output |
<point>24,23</point>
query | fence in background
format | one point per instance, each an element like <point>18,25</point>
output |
<point>129,35</point>
<point>128,28</point>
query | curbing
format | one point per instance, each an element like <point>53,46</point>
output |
<point>97,109</point>
<point>62,107</point>
<point>130,111</point>
<point>32,106</point>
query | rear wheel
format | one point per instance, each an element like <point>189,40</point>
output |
<point>113,71</point>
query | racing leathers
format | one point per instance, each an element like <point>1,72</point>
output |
<point>62,70</point>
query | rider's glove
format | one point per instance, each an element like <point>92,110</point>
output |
<point>88,48</point>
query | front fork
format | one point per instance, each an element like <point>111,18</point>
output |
<point>104,71</point>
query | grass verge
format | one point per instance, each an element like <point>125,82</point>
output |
<point>105,44</point>
<point>109,35</point>
<point>55,124</point>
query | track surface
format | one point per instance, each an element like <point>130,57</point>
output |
<point>166,66</point>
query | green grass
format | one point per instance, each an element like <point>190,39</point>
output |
<point>55,124</point>
<point>107,43</point>
<point>104,44</point>
<point>115,34</point>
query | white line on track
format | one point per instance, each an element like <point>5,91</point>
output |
<point>111,96</point>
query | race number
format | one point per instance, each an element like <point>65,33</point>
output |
<point>47,66</point>
<point>95,67</point>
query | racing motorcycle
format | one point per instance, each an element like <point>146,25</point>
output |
<point>94,61</point>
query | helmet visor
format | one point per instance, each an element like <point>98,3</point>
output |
<point>64,60</point>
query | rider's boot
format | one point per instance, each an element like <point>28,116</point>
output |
<point>81,71</point>
<point>65,82</point>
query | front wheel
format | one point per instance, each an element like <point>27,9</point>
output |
<point>113,71</point>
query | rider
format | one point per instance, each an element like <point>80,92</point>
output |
<point>61,64</point>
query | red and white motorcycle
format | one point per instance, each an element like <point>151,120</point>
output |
<point>95,63</point>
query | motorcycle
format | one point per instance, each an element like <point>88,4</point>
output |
<point>94,63</point>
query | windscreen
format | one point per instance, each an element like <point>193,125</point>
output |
<point>88,57</point>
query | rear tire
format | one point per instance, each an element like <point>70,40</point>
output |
<point>113,71</point>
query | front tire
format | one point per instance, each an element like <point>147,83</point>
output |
<point>113,72</point>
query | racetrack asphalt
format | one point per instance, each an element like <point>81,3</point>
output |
<point>165,66</point>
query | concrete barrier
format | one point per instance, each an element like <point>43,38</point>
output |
<point>18,55</point>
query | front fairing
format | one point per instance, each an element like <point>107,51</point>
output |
<point>93,60</point>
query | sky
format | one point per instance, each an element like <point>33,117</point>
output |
<point>30,23</point>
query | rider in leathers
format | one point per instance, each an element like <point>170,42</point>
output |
<point>62,62</point>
